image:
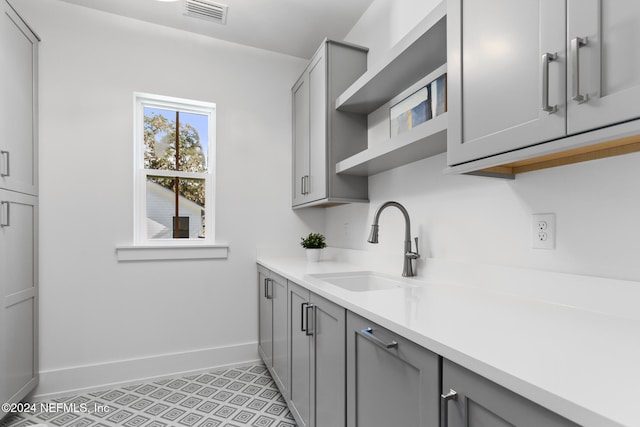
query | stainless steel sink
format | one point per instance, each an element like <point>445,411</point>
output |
<point>364,281</point>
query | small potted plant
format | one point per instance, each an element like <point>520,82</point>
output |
<point>313,243</point>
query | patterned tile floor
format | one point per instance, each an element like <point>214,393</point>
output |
<point>234,397</point>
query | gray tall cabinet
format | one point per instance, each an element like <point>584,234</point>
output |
<point>323,136</point>
<point>18,208</point>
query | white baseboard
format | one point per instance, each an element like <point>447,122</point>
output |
<point>81,379</point>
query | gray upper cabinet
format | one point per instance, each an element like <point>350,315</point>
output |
<point>391,381</point>
<point>317,344</point>
<point>495,77</point>
<point>323,136</point>
<point>18,106</point>
<point>604,70</point>
<point>474,401</point>
<point>534,71</point>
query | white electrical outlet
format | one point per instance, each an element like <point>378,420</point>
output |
<point>543,231</point>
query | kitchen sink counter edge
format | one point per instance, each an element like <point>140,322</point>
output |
<point>567,342</point>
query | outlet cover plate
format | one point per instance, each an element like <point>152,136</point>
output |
<point>543,231</point>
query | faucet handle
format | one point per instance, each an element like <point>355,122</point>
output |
<point>413,255</point>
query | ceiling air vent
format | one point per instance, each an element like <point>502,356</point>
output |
<point>205,9</point>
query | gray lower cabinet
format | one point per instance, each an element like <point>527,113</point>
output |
<point>273,325</point>
<point>18,296</point>
<point>474,401</point>
<point>391,381</point>
<point>317,357</point>
<point>265,318</point>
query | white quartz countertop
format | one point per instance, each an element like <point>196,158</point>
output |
<point>569,343</point>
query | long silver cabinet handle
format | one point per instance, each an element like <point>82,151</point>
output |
<point>368,334</point>
<point>5,220</point>
<point>546,58</point>
<point>576,44</point>
<point>267,294</point>
<point>309,331</point>
<point>444,406</point>
<point>302,185</point>
<point>303,328</point>
<point>5,163</point>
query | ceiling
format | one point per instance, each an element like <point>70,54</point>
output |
<point>292,27</point>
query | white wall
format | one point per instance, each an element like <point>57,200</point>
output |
<point>473,219</point>
<point>100,319</point>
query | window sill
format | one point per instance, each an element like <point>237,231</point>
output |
<point>171,252</point>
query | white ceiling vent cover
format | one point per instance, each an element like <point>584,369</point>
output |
<point>205,9</point>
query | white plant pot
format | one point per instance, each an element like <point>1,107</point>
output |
<point>313,255</point>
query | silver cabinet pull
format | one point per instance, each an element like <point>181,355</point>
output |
<point>5,163</point>
<point>444,407</point>
<point>546,58</point>
<point>576,44</point>
<point>267,294</point>
<point>305,307</point>
<point>302,184</point>
<point>5,221</point>
<point>303,328</point>
<point>368,334</point>
<point>305,184</point>
<point>310,307</point>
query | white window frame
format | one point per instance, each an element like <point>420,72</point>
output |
<point>142,100</point>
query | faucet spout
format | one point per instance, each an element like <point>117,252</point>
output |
<point>407,270</point>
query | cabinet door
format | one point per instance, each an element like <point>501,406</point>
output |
<point>329,364</point>
<point>278,288</point>
<point>480,402</point>
<point>607,72</point>
<point>300,93</point>
<point>395,386</point>
<point>265,326</point>
<point>19,295</point>
<point>300,354</point>
<point>317,186</point>
<point>496,75</point>
<point>18,150</point>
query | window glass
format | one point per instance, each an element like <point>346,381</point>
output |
<point>163,207</point>
<point>175,158</point>
<point>160,140</point>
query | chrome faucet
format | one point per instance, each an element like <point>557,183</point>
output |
<point>407,270</point>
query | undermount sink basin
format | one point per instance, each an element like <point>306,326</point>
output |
<point>363,281</point>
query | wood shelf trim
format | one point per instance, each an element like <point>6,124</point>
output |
<point>602,150</point>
